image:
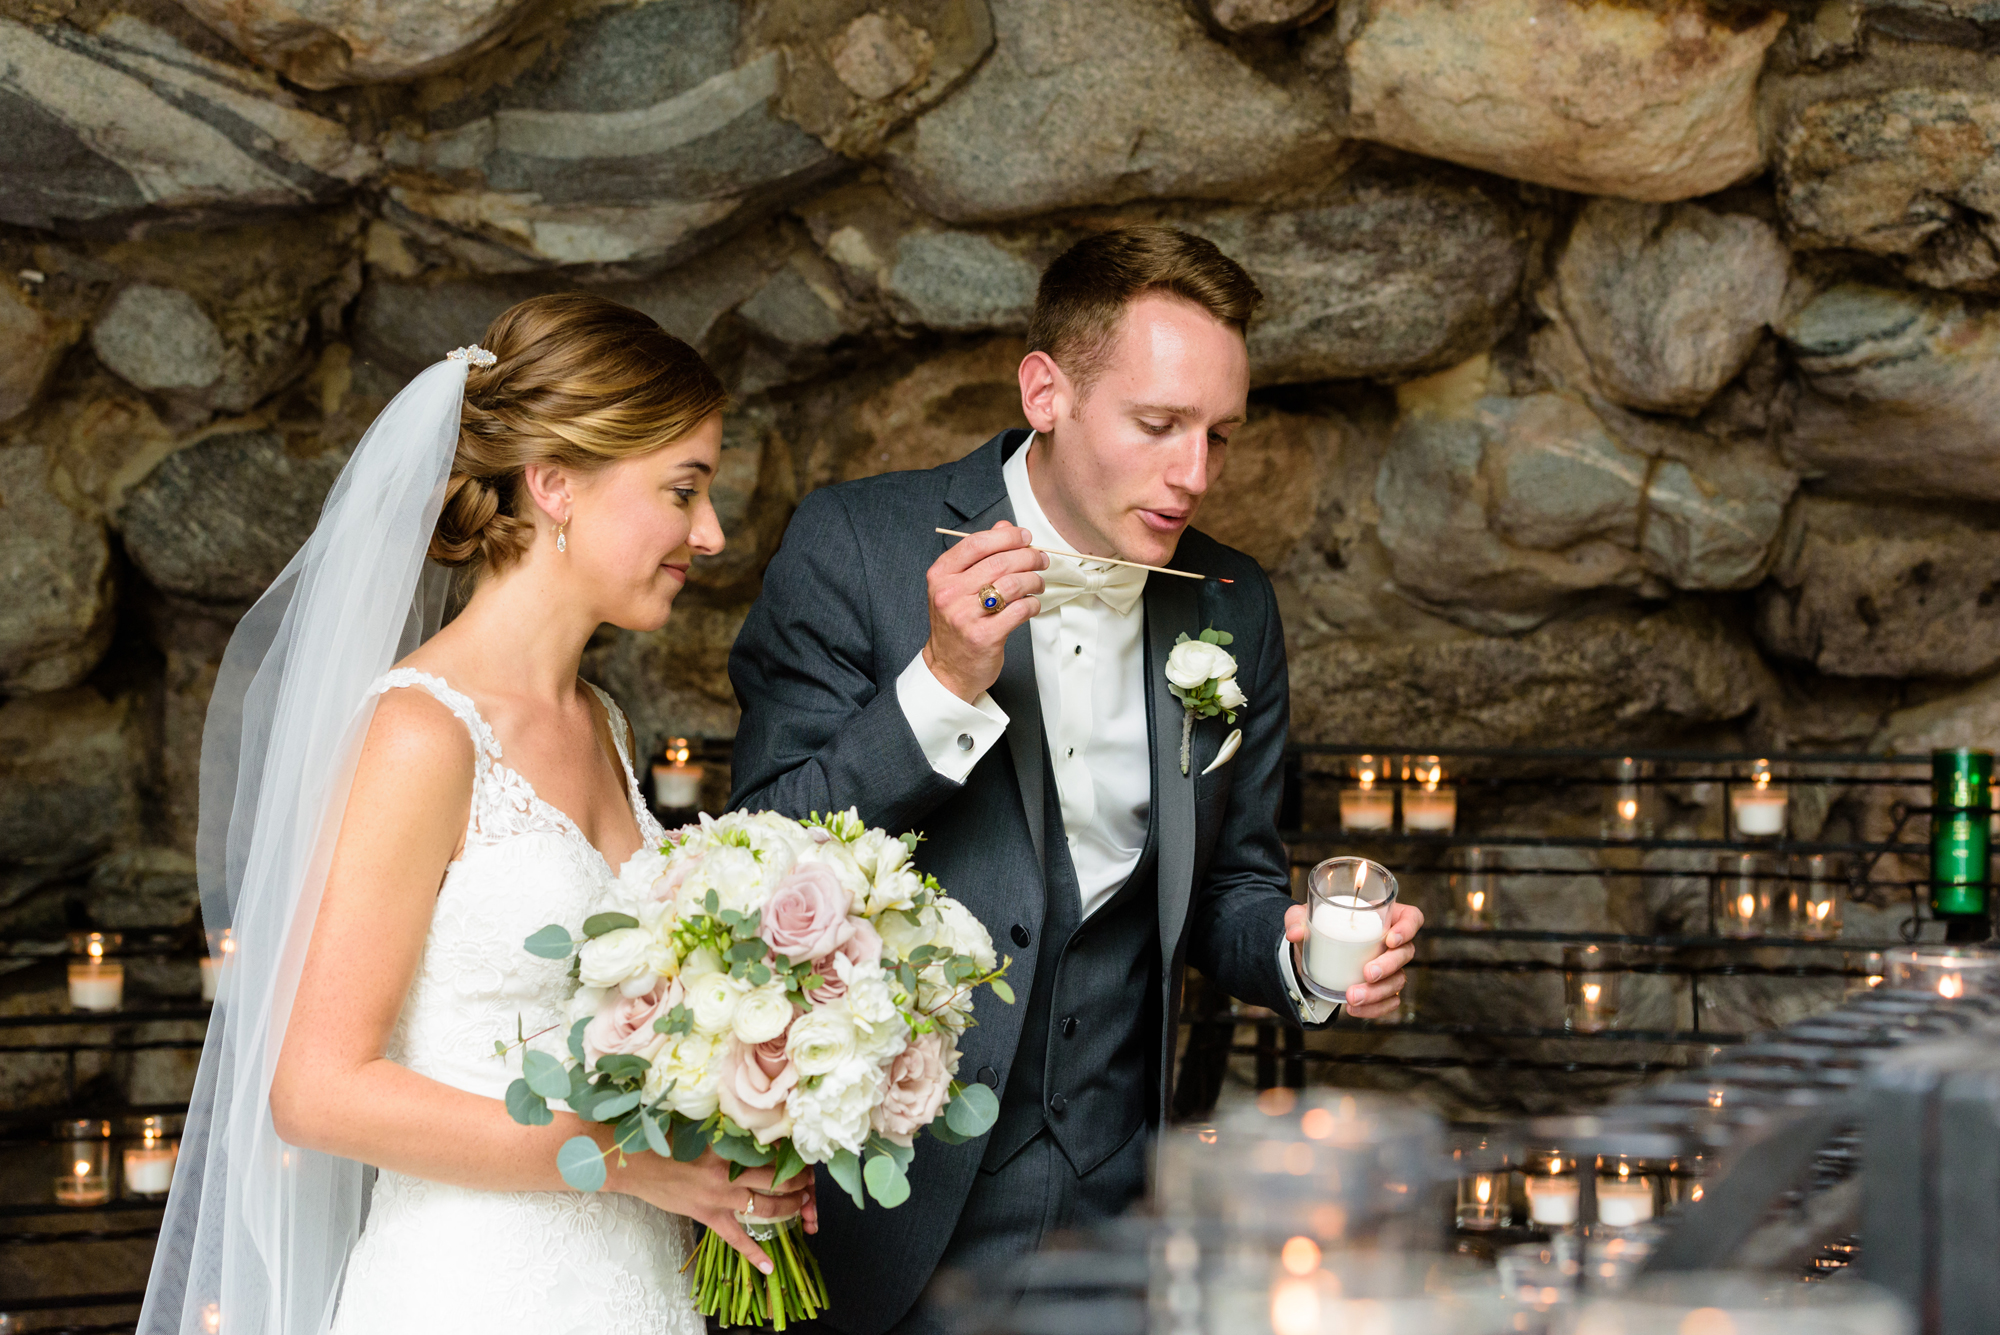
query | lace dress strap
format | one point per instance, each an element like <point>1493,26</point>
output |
<point>648,827</point>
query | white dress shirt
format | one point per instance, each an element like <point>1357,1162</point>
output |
<point>1091,679</point>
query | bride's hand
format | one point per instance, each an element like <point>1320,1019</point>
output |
<point>703,1192</point>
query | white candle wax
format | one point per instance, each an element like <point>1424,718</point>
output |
<point>677,787</point>
<point>1623,1202</point>
<point>1430,809</point>
<point>1345,934</point>
<point>149,1170</point>
<point>1552,1200</point>
<point>1758,813</point>
<point>211,977</point>
<point>96,986</point>
<point>1367,808</point>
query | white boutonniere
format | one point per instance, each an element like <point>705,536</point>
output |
<point>1202,676</point>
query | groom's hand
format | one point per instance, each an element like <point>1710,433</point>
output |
<point>968,644</point>
<point>1379,996</point>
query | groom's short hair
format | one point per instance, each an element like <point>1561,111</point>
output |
<point>1084,293</point>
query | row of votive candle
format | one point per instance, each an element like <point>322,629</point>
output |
<point>676,780</point>
<point>97,980</point>
<point>1759,805</point>
<point>1765,894</point>
<point>1368,796</point>
<point>146,1161</point>
<point>1544,1191</point>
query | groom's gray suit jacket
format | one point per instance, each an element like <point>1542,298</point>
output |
<point>844,609</point>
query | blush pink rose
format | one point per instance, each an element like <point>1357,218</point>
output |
<point>755,1084</point>
<point>864,947</point>
<point>806,916</point>
<point>918,1083</point>
<point>625,1024</point>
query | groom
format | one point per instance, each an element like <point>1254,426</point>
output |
<point>1014,708</point>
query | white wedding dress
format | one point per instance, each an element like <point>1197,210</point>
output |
<point>435,1258</point>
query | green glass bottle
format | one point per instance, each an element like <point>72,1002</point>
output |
<point>1961,816</point>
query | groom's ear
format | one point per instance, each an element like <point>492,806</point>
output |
<point>1045,392</point>
<point>548,488</point>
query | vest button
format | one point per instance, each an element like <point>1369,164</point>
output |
<point>1020,935</point>
<point>1069,1026</point>
<point>1058,1104</point>
<point>988,1077</point>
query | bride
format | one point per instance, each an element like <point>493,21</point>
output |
<point>382,839</point>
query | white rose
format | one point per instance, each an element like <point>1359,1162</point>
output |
<point>894,889</point>
<point>636,877</point>
<point>734,874</point>
<point>687,1072</point>
<point>714,998</point>
<point>833,1114</point>
<point>821,1040</point>
<point>1229,695</point>
<point>615,957</point>
<point>965,934</point>
<point>762,1014</point>
<point>899,937</point>
<point>1196,661</point>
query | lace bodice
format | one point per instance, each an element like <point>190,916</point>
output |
<point>435,1256</point>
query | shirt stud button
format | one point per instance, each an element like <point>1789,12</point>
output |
<point>965,741</point>
<point>1058,1104</point>
<point>1020,935</point>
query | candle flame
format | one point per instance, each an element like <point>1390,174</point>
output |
<point>1873,980</point>
<point>1624,1170</point>
<point>1746,906</point>
<point>1695,1193</point>
<point>1715,1098</point>
<point>81,1167</point>
<point>1482,1187</point>
<point>228,942</point>
<point>1950,986</point>
<point>1207,1135</point>
<point>1591,991</point>
<point>1478,900</point>
<point>1367,778</point>
<point>1300,1255</point>
<point>211,1319</point>
<point>97,950</point>
<point>1821,909</point>
<point>1556,1165</point>
<point>1629,809</point>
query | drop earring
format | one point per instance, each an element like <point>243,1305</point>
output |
<point>562,539</point>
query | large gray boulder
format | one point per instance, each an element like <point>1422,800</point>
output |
<point>634,138</point>
<point>55,564</point>
<point>1901,393</point>
<point>1862,589</point>
<point>66,777</point>
<point>1666,303</point>
<point>328,43</point>
<point>220,518</point>
<point>1106,102</point>
<point>1648,102</point>
<point>1908,172</point>
<point>1382,278</point>
<point>1500,510</point>
<point>124,122</point>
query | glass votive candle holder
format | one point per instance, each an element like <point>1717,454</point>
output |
<point>1474,887</point>
<point>96,981</point>
<point>1430,802</point>
<point>221,947</point>
<point>1628,1190</point>
<point>1628,807</point>
<point>148,1160</point>
<point>1816,894</point>
<point>1747,895</point>
<point>1348,903</point>
<point>1590,989</point>
<point>1683,1180</point>
<point>676,781</point>
<point>1482,1200</point>
<point>84,1176</point>
<point>1759,805</point>
<point>1553,1190</point>
<point>1950,972</point>
<point>1368,797</point>
<point>1873,970</point>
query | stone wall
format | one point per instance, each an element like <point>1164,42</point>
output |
<point>1630,369</point>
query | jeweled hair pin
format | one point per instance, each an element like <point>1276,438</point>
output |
<point>473,353</point>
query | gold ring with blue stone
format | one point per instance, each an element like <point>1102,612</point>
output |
<point>991,598</point>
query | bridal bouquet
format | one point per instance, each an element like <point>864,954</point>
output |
<point>785,993</point>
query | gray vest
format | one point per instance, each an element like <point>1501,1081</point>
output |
<point>1086,1067</point>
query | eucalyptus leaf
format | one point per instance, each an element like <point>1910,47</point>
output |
<point>527,1107</point>
<point>656,1139</point>
<point>1002,991</point>
<point>615,1106</point>
<point>886,1182</point>
<point>687,1139</point>
<point>904,1155</point>
<point>581,1163</point>
<point>576,1037</point>
<point>743,1150</point>
<point>972,1111</point>
<point>788,1165</point>
<point>545,1075</point>
<point>942,1130</point>
<point>551,943</point>
<point>845,1170</point>
<point>597,924</point>
<point>623,1065</point>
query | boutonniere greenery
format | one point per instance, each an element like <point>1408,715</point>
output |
<point>1202,675</point>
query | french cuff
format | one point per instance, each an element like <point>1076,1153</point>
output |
<point>952,733</point>
<point>1310,1008</point>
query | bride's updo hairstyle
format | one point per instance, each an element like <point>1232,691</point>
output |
<point>579,382</point>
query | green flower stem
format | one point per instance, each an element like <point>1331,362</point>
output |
<point>728,1287</point>
<point>1187,735</point>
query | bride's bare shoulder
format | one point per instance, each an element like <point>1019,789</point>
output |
<point>414,729</point>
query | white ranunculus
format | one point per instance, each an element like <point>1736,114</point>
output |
<point>636,877</point>
<point>762,1014</point>
<point>965,934</point>
<point>821,1039</point>
<point>1230,695</point>
<point>900,936</point>
<point>833,1114</point>
<point>714,998</point>
<point>615,957</point>
<point>1196,661</point>
<point>735,875</point>
<point>692,1066</point>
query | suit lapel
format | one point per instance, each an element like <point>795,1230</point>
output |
<point>1172,607</point>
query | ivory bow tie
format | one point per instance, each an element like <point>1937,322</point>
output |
<point>1118,587</point>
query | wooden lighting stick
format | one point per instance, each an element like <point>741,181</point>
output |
<point>1104,560</point>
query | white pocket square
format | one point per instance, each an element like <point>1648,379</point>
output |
<point>1228,751</point>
